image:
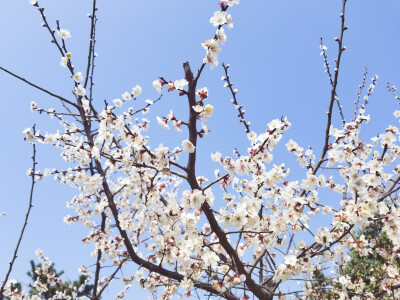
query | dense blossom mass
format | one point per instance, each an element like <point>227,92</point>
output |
<point>241,234</point>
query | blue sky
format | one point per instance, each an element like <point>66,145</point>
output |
<point>273,51</point>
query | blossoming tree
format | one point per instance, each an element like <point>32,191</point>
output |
<point>243,234</point>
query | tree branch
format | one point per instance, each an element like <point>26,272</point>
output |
<point>39,88</point>
<point>11,264</point>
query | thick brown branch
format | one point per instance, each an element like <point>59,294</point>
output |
<point>191,177</point>
<point>146,264</point>
<point>131,251</point>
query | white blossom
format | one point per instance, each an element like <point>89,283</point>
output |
<point>219,18</point>
<point>188,146</point>
<point>80,91</point>
<point>157,84</point>
<point>180,84</point>
<point>78,77</point>
<point>117,102</point>
<point>136,91</point>
<point>291,260</point>
<point>63,33</point>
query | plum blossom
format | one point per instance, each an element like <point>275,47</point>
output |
<point>158,84</point>
<point>229,21</point>
<point>163,123</point>
<point>202,93</point>
<point>324,236</point>
<point>64,62</point>
<point>33,106</point>
<point>78,77</point>
<point>117,102</point>
<point>136,91</point>
<point>212,47</point>
<point>153,197</point>
<point>187,284</point>
<point>198,108</point>
<point>180,84</point>
<point>187,146</point>
<point>310,182</point>
<point>80,91</point>
<point>63,33</point>
<point>170,86</point>
<point>219,18</point>
<point>211,59</point>
<point>221,36</point>
<point>205,129</point>
<point>126,96</point>
<point>231,2</point>
<point>291,260</point>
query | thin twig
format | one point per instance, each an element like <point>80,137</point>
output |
<point>362,85</point>
<point>328,70</point>
<point>215,181</point>
<point>38,87</point>
<point>91,43</point>
<point>25,221</point>
<point>110,278</point>
<point>234,100</point>
<point>333,91</point>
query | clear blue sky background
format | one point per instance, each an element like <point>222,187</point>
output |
<point>273,51</point>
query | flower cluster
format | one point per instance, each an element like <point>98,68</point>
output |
<point>213,46</point>
<point>140,204</point>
